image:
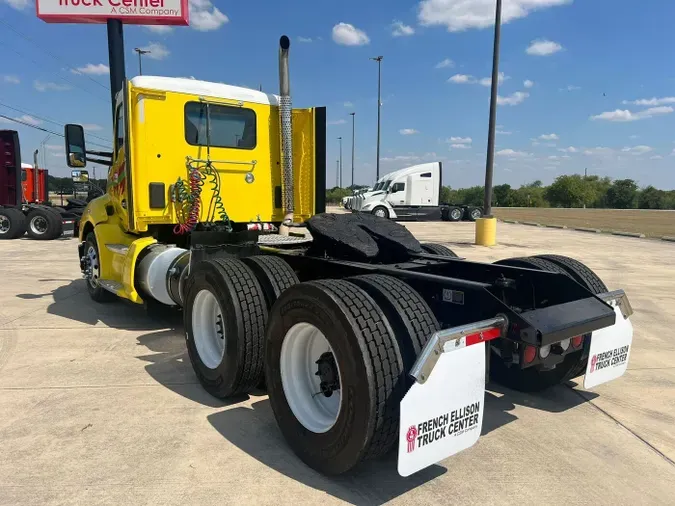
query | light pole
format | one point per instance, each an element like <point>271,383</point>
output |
<point>353,115</point>
<point>140,53</point>
<point>489,166</point>
<point>42,149</point>
<point>337,173</point>
<point>486,227</point>
<point>340,139</point>
<point>378,59</point>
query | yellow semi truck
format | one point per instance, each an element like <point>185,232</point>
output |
<point>367,341</point>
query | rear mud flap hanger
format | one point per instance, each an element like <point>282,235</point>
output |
<point>456,338</point>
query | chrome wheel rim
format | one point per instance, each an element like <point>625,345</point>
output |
<point>4,224</point>
<point>38,225</point>
<point>94,270</point>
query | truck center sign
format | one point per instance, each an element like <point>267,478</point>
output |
<point>136,12</point>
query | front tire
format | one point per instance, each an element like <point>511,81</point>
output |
<point>381,212</point>
<point>93,263</point>
<point>336,329</point>
<point>224,317</point>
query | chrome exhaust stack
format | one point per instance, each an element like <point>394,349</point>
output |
<point>286,135</point>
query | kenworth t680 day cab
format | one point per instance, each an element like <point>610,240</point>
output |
<point>366,340</point>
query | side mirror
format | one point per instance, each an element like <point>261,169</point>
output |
<point>79,176</point>
<point>75,148</point>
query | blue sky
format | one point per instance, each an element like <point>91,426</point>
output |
<point>587,83</point>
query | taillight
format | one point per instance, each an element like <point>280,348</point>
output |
<point>545,351</point>
<point>529,354</point>
<point>577,341</point>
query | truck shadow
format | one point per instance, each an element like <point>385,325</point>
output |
<point>500,401</point>
<point>254,430</point>
<point>169,365</point>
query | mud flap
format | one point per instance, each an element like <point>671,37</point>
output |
<point>444,415</point>
<point>609,351</point>
<point>68,228</point>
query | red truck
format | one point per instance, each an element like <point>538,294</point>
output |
<point>24,198</point>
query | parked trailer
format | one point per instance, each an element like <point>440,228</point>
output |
<point>24,198</point>
<point>367,341</point>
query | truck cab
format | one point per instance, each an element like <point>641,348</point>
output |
<point>412,193</point>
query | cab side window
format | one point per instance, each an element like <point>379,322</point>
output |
<point>398,187</point>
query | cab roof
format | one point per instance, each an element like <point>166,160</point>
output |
<point>203,88</point>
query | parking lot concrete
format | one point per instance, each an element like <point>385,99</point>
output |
<point>99,404</point>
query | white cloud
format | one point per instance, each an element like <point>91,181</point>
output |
<point>91,127</point>
<point>348,35</point>
<point>157,51</point>
<point>637,150</point>
<point>305,39</point>
<point>44,86</point>
<point>94,69</point>
<point>10,79</point>
<point>651,101</point>
<point>503,132</point>
<point>599,151</point>
<point>570,87</point>
<point>634,136</point>
<point>487,81</point>
<point>512,153</point>
<point>527,83</point>
<point>566,156</point>
<point>570,149</point>
<point>337,122</point>
<point>412,157</point>
<point>398,29</point>
<point>462,79</point>
<point>656,157</point>
<point>19,5</point>
<point>460,15</point>
<point>623,115</point>
<point>554,157</point>
<point>549,137</point>
<point>543,47</point>
<point>54,147</point>
<point>447,63</point>
<point>205,17</point>
<point>461,140</point>
<point>460,146</point>
<point>159,29</point>
<point>514,99</point>
<point>348,104</point>
<point>408,131</point>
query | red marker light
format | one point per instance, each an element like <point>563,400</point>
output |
<point>529,354</point>
<point>577,341</point>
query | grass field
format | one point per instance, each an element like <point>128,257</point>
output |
<point>650,223</point>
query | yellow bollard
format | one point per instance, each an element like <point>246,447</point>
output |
<point>486,231</point>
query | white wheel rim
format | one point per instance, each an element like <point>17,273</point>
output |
<point>379,213</point>
<point>208,329</point>
<point>455,214</point>
<point>302,346</point>
<point>38,225</point>
<point>476,214</point>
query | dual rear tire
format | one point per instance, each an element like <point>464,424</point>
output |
<point>335,352</point>
<point>535,379</point>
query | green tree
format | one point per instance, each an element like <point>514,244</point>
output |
<point>446,195</point>
<point>571,191</point>
<point>622,194</point>
<point>502,195</point>
<point>652,198</point>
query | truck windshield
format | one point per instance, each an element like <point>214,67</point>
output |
<point>386,185</point>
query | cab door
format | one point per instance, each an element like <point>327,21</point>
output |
<point>119,174</point>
